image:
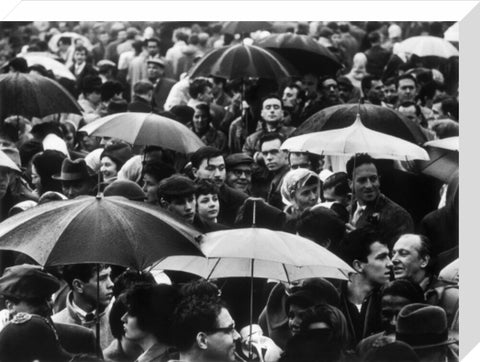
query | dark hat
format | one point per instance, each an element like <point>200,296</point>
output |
<point>236,159</point>
<point>91,83</point>
<point>176,185</point>
<point>158,61</point>
<point>335,179</point>
<point>118,153</point>
<point>393,352</point>
<point>313,291</point>
<point>28,282</point>
<point>423,326</point>
<point>125,188</point>
<point>74,170</point>
<point>19,65</point>
<point>117,106</point>
<point>183,113</point>
<point>30,337</point>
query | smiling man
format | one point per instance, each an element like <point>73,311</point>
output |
<point>372,208</point>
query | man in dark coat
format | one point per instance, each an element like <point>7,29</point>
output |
<point>28,288</point>
<point>161,84</point>
<point>80,69</point>
<point>142,97</point>
<point>372,208</point>
<point>377,57</point>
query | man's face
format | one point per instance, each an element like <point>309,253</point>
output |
<point>406,90</point>
<point>213,169</point>
<point>310,83</point>
<point>240,177</point>
<point>274,157</point>
<point>366,184</point>
<point>299,160</point>
<point>390,307</point>
<point>79,56</point>
<point>152,48</point>
<point>272,111</point>
<point>200,121</point>
<point>410,112</point>
<point>290,97</point>
<point>390,93</point>
<point>221,344</point>
<point>6,176</point>
<point>183,207</point>
<point>378,266</point>
<point>344,92</point>
<point>376,92</point>
<point>105,285</point>
<point>72,189</point>
<point>154,71</point>
<point>330,89</point>
<point>206,96</point>
<point>407,262</point>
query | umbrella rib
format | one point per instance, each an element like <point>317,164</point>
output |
<point>286,273</point>
<point>213,269</point>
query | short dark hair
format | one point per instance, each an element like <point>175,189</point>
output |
<point>153,305</point>
<point>158,170</point>
<point>406,76</point>
<point>83,272</point>
<point>130,277</point>
<point>359,159</point>
<point>194,315</point>
<point>366,83</point>
<point>356,245</point>
<point>203,153</point>
<point>109,89</point>
<point>81,48</point>
<point>405,288</point>
<point>326,77</point>
<point>270,136</point>
<point>374,37</point>
<point>205,187</point>
<point>152,39</point>
<point>142,87</point>
<point>271,96</point>
<point>198,86</point>
<point>427,249</point>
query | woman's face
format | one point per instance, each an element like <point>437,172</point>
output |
<point>200,121</point>
<point>108,168</point>
<point>208,206</point>
<point>35,178</point>
<point>131,328</point>
<point>70,137</point>
<point>306,196</point>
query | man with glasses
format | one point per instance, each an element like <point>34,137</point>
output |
<point>203,330</point>
<point>239,172</point>
<point>329,91</point>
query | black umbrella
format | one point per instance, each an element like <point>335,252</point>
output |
<point>303,52</point>
<point>32,95</point>
<point>381,119</point>
<point>242,61</point>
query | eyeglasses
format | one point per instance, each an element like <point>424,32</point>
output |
<point>226,330</point>
<point>238,172</point>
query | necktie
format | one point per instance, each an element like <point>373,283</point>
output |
<point>356,215</point>
<point>89,317</point>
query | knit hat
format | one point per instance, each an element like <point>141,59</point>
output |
<point>176,186</point>
<point>119,153</point>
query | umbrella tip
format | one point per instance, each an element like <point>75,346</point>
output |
<point>99,195</point>
<point>358,119</point>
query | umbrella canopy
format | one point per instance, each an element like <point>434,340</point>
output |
<point>32,95</point>
<point>52,44</point>
<point>356,139</point>
<point>146,129</point>
<point>444,158</point>
<point>381,119</point>
<point>428,46</point>
<point>242,61</point>
<point>303,52</point>
<point>260,253</point>
<point>452,34</point>
<point>240,27</point>
<point>110,230</point>
<point>58,69</point>
<point>7,162</point>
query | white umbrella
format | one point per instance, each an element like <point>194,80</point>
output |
<point>444,158</point>
<point>58,69</point>
<point>426,45</point>
<point>452,33</point>
<point>449,143</point>
<point>145,129</point>
<point>356,139</point>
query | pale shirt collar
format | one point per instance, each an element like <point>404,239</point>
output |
<point>79,311</point>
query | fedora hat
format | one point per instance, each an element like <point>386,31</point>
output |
<point>423,326</point>
<point>74,170</point>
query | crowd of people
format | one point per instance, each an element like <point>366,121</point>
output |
<point>396,227</point>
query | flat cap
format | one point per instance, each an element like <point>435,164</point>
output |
<point>176,185</point>
<point>28,282</point>
<point>236,159</point>
<point>158,61</point>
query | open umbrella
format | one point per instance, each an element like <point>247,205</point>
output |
<point>303,52</point>
<point>428,46</point>
<point>242,61</point>
<point>381,119</point>
<point>58,69</point>
<point>444,158</point>
<point>52,44</point>
<point>146,129</point>
<point>32,95</point>
<point>240,27</point>
<point>355,139</point>
<point>105,230</point>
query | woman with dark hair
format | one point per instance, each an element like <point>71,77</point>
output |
<point>44,166</point>
<point>202,127</point>
<point>148,319</point>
